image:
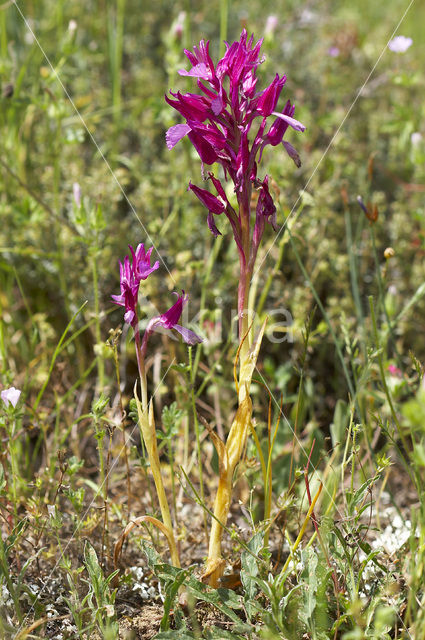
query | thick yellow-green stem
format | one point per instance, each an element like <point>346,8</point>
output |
<point>147,425</point>
<point>229,455</point>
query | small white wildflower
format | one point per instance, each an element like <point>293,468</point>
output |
<point>137,572</point>
<point>51,510</point>
<point>416,139</point>
<point>76,192</point>
<point>10,395</point>
<point>400,44</point>
<point>152,592</point>
<point>271,24</point>
<point>29,37</point>
<point>178,25</point>
<point>308,17</point>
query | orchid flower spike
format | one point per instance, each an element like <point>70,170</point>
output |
<point>220,123</point>
<point>132,272</point>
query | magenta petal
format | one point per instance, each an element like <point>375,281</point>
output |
<point>118,300</point>
<point>212,203</point>
<point>268,99</point>
<point>218,186</point>
<point>295,124</point>
<point>190,337</point>
<point>198,71</point>
<point>172,316</point>
<point>205,150</point>
<point>175,134</point>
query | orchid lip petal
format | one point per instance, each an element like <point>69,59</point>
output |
<point>217,105</point>
<point>198,71</point>
<point>295,124</point>
<point>175,134</point>
<point>129,316</point>
<point>118,300</point>
<point>190,337</point>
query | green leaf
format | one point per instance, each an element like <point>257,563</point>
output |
<point>250,571</point>
<point>178,634</point>
<point>170,595</point>
<point>2,478</point>
<point>339,423</point>
<point>180,368</point>
<point>222,634</point>
<point>224,600</point>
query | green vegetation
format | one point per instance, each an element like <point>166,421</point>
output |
<point>326,532</point>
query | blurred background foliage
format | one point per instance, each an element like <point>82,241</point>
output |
<point>82,101</point>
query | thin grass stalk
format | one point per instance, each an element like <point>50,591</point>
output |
<point>319,537</point>
<point>198,443</point>
<point>382,296</point>
<point>325,315</point>
<point>55,355</point>
<point>103,481</point>
<point>302,530</point>
<point>113,345</point>
<point>105,532</point>
<point>260,454</point>
<point>13,454</point>
<point>388,392</point>
<point>173,482</point>
<point>224,13</point>
<point>198,500</point>
<point>354,275</point>
<point>269,476</point>
<point>97,328</point>
<point>347,444</point>
<point>59,231</point>
<point>3,34</point>
<point>271,277</point>
<point>211,261</point>
<point>295,430</point>
<point>116,16</point>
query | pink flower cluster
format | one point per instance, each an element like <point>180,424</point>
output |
<point>132,271</point>
<point>228,124</point>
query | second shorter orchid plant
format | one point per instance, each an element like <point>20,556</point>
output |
<point>133,270</point>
